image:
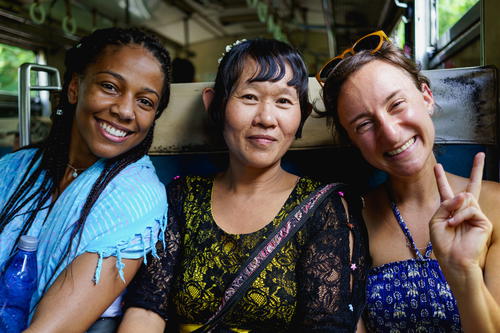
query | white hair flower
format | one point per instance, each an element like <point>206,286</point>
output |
<point>229,47</point>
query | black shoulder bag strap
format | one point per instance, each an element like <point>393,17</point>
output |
<point>265,252</point>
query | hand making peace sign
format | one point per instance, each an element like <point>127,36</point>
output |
<point>459,229</point>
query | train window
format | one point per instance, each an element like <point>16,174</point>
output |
<point>450,12</point>
<point>398,34</point>
<point>457,39</point>
<point>11,57</point>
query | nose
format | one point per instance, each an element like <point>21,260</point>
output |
<point>389,129</point>
<point>123,108</point>
<point>265,116</point>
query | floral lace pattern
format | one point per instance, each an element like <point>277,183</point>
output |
<point>306,285</point>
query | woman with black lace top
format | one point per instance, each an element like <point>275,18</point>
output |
<point>316,281</point>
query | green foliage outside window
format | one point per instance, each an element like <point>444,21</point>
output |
<point>450,11</point>
<point>11,58</point>
<point>399,34</point>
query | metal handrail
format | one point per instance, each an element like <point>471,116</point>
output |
<point>24,101</point>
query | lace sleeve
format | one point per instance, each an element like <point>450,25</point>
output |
<point>152,284</point>
<point>332,270</point>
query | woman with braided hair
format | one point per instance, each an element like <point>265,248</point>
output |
<point>88,192</point>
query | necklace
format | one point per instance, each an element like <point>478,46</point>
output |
<point>75,172</point>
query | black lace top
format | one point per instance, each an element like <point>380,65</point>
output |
<point>306,286</point>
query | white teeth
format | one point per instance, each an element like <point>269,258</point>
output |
<point>402,148</point>
<point>112,130</point>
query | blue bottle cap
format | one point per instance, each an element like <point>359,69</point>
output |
<point>28,243</point>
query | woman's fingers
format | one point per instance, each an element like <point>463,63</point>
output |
<point>448,207</point>
<point>475,179</point>
<point>471,214</point>
<point>444,188</point>
<point>476,175</point>
<point>464,208</point>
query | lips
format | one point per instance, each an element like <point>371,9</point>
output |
<point>402,148</point>
<point>262,139</point>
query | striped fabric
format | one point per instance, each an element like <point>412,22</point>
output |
<point>128,218</point>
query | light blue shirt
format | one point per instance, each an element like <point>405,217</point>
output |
<point>128,218</point>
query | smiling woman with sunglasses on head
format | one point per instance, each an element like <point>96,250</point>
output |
<point>381,103</point>
<point>88,192</point>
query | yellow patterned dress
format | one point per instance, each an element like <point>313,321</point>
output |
<point>305,287</point>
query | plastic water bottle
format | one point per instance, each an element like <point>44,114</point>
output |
<point>17,284</point>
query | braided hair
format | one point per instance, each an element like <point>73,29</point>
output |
<point>50,159</point>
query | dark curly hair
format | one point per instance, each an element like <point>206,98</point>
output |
<point>51,158</point>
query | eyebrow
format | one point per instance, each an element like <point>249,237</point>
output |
<point>391,95</point>
<point>387,99</point>
<point>361,115</point>
<point>121,78</point>
<point>289,90</point>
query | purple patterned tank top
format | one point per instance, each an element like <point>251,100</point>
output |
<point>410,295</point>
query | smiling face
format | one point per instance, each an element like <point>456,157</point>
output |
<point>116,100</point>
<point>261,119</point>
<point>388,118</point>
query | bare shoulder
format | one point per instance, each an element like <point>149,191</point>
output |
<point>490,203</point>
<point>490,188</point>
<point>489,197</point>
<point>374,201</point>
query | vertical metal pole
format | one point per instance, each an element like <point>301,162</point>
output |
<point>24,100</point>
<point>186,33</point>
<point>24,105</point>
<point>422,22</point>
<point>127,13</point>
<point>329,23</point>
<point>433,24</point>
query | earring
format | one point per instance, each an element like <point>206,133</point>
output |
<point>59,112</point>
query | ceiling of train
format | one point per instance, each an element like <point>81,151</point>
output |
<point>191,21</point>
<point>184,22</point>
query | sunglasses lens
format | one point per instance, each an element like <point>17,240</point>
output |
<point>367,43</point>
<point>323,75</point>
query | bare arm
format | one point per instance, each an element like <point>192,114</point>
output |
<point>467,249</point>
<point>361,326</point>
<point>479,290</point>
<point>74,302</point>
<point>141,320</point>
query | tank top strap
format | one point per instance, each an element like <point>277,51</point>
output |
<point>406,231</point>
